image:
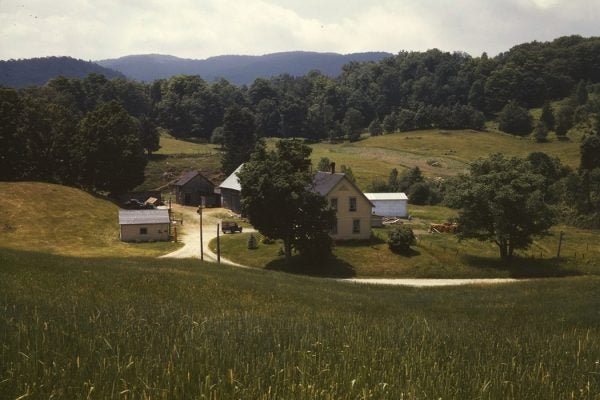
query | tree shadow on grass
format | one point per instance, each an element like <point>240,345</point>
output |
<point>408,253</point>
<point>520,267</point>
<point>332,267</point>
<point>157,157</point>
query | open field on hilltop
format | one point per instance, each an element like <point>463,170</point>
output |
<point>63,220</point>
<point>434,255</point>
<point>436,152</point>
<point>449,151</point>
<point>148,328</point>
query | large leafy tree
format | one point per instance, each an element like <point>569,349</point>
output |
<point>515,119</point>
<point>12,145</point>
<point>110,150</point>
<point>502,201</point>
<point>239,138</point>
<point>278,200</point>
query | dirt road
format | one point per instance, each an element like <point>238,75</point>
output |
<point>189,234</point>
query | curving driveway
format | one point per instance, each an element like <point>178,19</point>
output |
<point>189,234</point>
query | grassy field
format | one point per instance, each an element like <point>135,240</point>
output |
<point>62,220</point>
<point>162,329</point>
<point>435,152</point>
<point>434,256</point>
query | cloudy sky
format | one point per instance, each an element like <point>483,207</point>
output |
<point>98,29</point>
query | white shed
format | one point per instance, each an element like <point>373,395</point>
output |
<point>144,225</point>
<point>389,204</point>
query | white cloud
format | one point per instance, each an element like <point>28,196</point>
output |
<point>95,29</point>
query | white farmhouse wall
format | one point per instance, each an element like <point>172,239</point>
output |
<point>155,232</point>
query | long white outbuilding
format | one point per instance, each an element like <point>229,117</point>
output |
<point>389,204</point>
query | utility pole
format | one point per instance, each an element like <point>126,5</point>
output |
<point>560,239</point>
<point>200,207</point>
<point>218,246</point>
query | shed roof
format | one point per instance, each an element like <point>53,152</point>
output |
<point>386,196</point>
<point>137,217</point>
<point>232,181</point>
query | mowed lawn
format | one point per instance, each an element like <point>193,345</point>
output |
<point>62,220</point>
<point>132,328</point>
<point>433,256</point>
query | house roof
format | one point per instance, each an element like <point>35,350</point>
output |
<point>232,181</point>
<point>137,217</point>
<point>324,182</point>
<point>386,196</point>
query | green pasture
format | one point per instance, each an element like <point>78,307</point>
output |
<point>132,328</point>
<point>62,220</point>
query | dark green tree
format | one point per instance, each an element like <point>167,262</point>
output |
<point>110,152</point>
<point>238,138</point>
<point>515,119</point>
<point>375,128</point>
<point>278,200</point>
<point>12,144</point>
<point>502,201</point>
<point>324,164</point>
<point>353,124</point>
<point>149,135</point>
<point>547,116</point>
<point>590,153</point>
<point>564,120</point>
<point>540,132</point>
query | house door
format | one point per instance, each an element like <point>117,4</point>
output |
<point>187,198</point>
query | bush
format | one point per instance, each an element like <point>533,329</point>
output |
<point>400,239</point>
<point>515,119</point>
<point>252,243</point>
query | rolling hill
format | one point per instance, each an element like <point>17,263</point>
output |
<point>38,71</point>
<point>57,219</point>
<point>238,69</point>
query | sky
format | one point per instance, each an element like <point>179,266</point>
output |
<point>100,29</point>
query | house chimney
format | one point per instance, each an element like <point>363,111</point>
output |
<point>332,167</point>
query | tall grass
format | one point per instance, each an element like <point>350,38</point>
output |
<point>146,328</point>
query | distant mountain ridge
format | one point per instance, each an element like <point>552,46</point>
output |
<point>238,69</point>
<point>38,71</point>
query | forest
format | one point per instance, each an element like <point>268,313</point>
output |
<point>97,133</point>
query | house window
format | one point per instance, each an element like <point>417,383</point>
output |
<point>352,204</point>
<point>334,229</point>
<point>333,204</point>
<point>356,226</point>
<point>143,231</point>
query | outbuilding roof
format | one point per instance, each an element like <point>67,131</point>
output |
<point>232,181</point>
<point>138,217</point>
<point>386,196</point>
<point>186,178</point>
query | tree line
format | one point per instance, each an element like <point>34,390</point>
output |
<point>411,90</point>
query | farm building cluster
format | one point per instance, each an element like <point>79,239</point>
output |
<point>356,212</point>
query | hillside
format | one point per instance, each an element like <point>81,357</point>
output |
<point>156,328</point>
<point>62,220</point>
<point>38,71</point>
<point>238,69</point>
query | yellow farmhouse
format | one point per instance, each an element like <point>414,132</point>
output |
<point>353,209</point>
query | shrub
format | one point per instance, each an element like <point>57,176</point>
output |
<point>515,119</point>
<point>252,243</point>
<point>401,238</point>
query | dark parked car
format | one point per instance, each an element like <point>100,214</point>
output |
<point>231,227</point>
<point>135,204</point>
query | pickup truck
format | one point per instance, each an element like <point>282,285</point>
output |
<point>230,226</point>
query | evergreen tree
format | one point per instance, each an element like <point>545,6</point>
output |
<point>540,132</point>
<point>547,116</point>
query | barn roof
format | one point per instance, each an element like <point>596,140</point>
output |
<point>186,178</point>
<point>386,196</point>
<point>232,181</point>
<point>137,217</point>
